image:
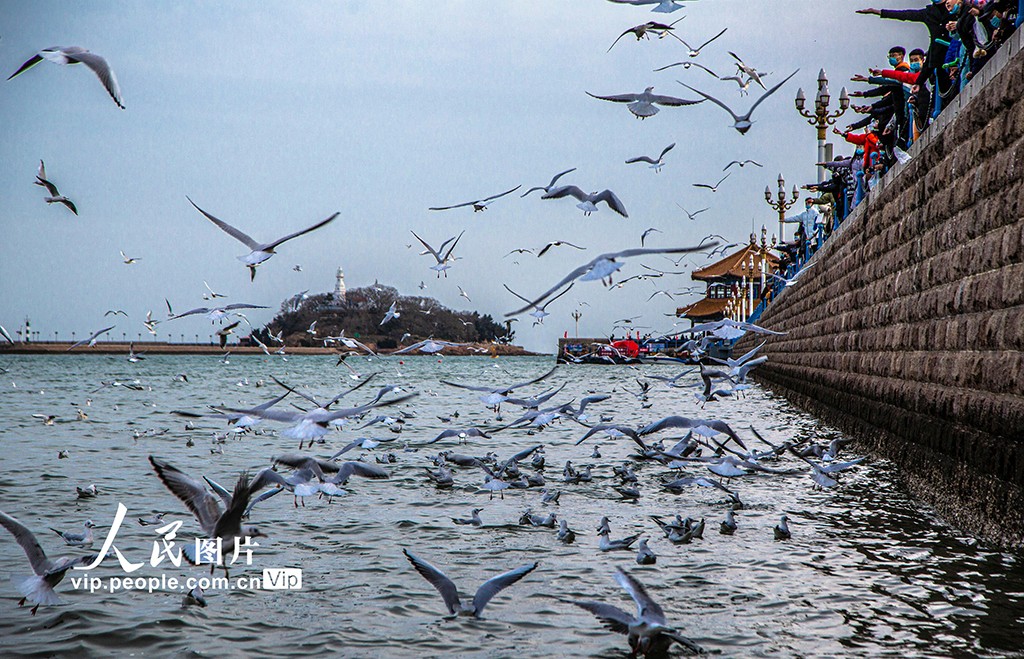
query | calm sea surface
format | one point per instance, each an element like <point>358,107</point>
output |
<point>868,571</point>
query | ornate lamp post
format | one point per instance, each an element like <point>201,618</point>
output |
<point>781,204</point>
<point>576,315</point>
<point>820,118</point>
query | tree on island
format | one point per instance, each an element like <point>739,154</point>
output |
<point>360,315</point>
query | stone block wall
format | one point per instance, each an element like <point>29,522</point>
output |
<point>909,330</point>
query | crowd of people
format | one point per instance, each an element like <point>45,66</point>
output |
<point>903,98</point>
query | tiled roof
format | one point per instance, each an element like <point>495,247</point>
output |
<point>706,308</point>
<point>729,267</point>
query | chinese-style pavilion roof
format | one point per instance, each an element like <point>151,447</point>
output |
<point>708,308</point>
<point>729,268</point>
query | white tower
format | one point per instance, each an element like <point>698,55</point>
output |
<point>339,288</point>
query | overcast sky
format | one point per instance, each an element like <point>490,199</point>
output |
<point>274,115</point>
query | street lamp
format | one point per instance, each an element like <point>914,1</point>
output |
<point>820,118</point>
<point>576,315</point>
<point>781,204</point>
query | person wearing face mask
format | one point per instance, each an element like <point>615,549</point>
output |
<point>807,221</point>
<point>897,58</point>
<point>935,17</point>
<point>974,32</point>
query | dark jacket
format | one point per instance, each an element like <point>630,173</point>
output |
<point>934,18</point>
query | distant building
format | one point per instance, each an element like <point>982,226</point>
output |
<point>734,284</point>
<point>339,288</point>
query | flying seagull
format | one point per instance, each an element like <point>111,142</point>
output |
<point>643,236</point>
<point>477,204</point>
<point>550,186</point>
<point>664,6</point>
<point>92,339</point>
<point>55,196</point>
<point>742,163</point>
<point>713,188</point>
<point>539,312</point>
<point>696,51</point>
<point>656,163</point>
<point>450,593</point>
<point>129,260</point>
<point>47,573</point>
<point>557,243</point>
<point>601,267</point>
<point>693,215</point>
<point>440,255</point>
<point>747,70</point>
<point>588,202</point>
<point>642,104</point>
<point>641,31</point>
<point>260,251</point>
<point>77,55</point>
<point>742,122</point>
<point>686,65</point>
<point>217,313</point>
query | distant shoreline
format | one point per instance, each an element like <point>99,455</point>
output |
<point>161,348</point>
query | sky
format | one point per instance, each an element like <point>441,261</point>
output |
<point>274,115</point>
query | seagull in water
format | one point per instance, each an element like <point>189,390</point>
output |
<point>742,123</point>
<point>648,632</point>
<point>260,251</point>
<point>588,202</point>
<point>48,573</point>
<point>78,539</point>
<point>656,163</point>
<point>449,592</point>
<point>602,267</point>
<point>77,55</point>
<point>477,204</point>
<point>642,104</point>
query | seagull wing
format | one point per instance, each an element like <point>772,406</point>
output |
<point>196,498</point>
<point>647,609</point>
<point>191,312</point>
<point>36,556</point>
<point>341,414</point>
<point>360,469</point>
<point>565,191</point>
<point>428,247</point>
<point>666,150</point>
<point>672,100</point>
<point>614,42</point>
<point>713,100</point>
<point>559,175</point>
<point>495,585</point>
<point>299,233</point>
<point>523,384</point>
<point>516,294</point>
<point>712,39</point>
<point>567,288</point>
<point>617,98</point>
<point>70,204</point>
<point>446,208</point>
<point>501,194</point>
<point>227,228</point>
<point>32,61</point>
<point>641,159</point>
<point>437,579</point>
<point>669,66</point>
<point>608,197</point>
<point>612,617</point>
<point>103,71</point>
<point>770,92</point>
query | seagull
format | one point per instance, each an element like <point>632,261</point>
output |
<point>642,104</point>
<point>450,594</point>
<point>222,334</point>
<point>496,395</point>
<point>748,71</point>
<point>600,268</point>
<point>152,521</point>
<point>644,554</point>
<point>78,55</point>
<point>728,526</point>
<point>217,313</point>
<point>742,123</point>
<point>260,251</point>
<point>706,427</point>
<point>687,65</point>
<point>474,519</point>
<point>460,433</point>
<point>442,260</point>
<point>55,196</point>
<point>656,163</point>
<point>47,573</point>
<point>213,295</point>
<point>115,312</point>
<point>129,260</point>
<point>648,632</point>
<point>78,539</point>
<point>713,188</point>
<point>392,313</point>
<point>463,293</point>
<point>217,524</point>
<point>92,339</point>
<point>557,243</point>
<point>696,51</point>
<point>646,233</point>
<point>781,530</point>
<point>539,312</point>
<point>477,204</point>
<point>693,215</point>
<point>664,6</point>
<point>588,202</point>
<point>550,186</point>
<point>742,163</point>
<point>640,32</point>
<point>297,268</point>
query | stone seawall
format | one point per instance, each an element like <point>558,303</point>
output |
<point>909,330</point>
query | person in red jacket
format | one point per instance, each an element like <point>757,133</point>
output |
<point>868,140</point>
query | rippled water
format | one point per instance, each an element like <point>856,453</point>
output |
<point>868,572</point>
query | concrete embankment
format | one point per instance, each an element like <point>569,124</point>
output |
<point>909,330</point>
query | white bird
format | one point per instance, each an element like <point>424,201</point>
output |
<point>450,593</point>
<point>648,632</point>
<point>713,188</point>
<point>557,243</point>
<point>693,215</point>
<point>474,519</point>
<point>642,105</point>
<point>747,70</point>
<point>781,530</point>
<point>129,260</point>
<point>84,539</point>
<point>664,6</point>
<point>696,51</point>
<point>539,313</point>
<point>217,313</point>
<point>92,338</point>
<point>656,163</point>
<point>392,312</point>
<point>477,204</point>
<point>600,268</point>
<point>742,123</point>
<point>646,233</point>
<point>644,554</point>
<point>588,202</point>
<point>463,293</point>
<point>55,196</point>
<point>47,573</point>
<point>213,295</point>
<point>550,186</point>
<point>260,251</point>
<point>78,55</point>
<point>222,333</point>
<point>742,163</point>
<point>641,31</point>
<point>442,264</point>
